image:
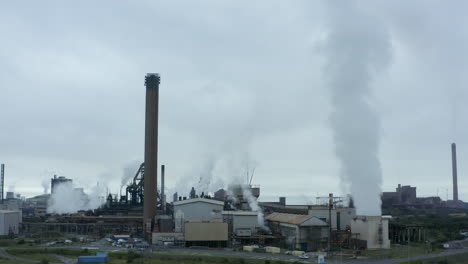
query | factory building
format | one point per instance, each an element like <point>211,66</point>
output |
<point>241,223</point>
<point>220,195</point>
<point>199,209</point>
<point>303,232</point>
<point>244,194</point>
<point>10,195</point>
<point>341,217</point>
<point>9,222</point>
<point>405,196</point>
<point>372,229</point>
<point>56,181</point>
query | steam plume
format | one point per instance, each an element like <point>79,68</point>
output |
<point>66,199</point>
<point>253,204</point>
<point>129,172</point>
<point>45,185</point>
<point>357,47</point>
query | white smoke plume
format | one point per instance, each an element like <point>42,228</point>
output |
<point>66,199</point>
<point>45,185</point>
<point>129,172</point>
<point>207,178</point>
<point>357,47</point>
<point>253,204</point>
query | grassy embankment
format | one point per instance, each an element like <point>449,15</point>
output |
<point>401,251</point>
<point>453,259</point>
<point>136,258</point>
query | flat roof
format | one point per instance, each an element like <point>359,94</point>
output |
<point>9,211</point>
<point>253,213</point>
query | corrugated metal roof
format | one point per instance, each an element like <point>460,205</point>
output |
<point>294,219</point>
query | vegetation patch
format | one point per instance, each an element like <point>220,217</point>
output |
<point>19,252</point>
<point>9,261</point>
<point>399,251</point>
<point>174,258</point>
<point>453,259</point>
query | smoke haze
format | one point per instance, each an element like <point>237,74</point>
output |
<point>66,199</point>
<point>129,172</point>
<point>357,47</point>
<point>45,185</point>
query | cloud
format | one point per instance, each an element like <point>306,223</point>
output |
<point>72,75</point>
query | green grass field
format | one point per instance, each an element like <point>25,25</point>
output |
<point>454,259</point>
<point>405,251</point>
<point>8,261</point>
<point>32,255</point>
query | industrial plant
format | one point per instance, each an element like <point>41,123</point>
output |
<point>232,217</point>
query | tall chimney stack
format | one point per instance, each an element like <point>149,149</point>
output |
<point>163,197</point>
<point>454,174</point>
<point>152,81</point>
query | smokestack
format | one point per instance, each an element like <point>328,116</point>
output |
<point>454,174</point>
<point>163,198</point>
<point>2,181</point>
<point>152,81</point>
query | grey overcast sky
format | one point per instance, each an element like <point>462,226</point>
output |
<point>240,81</point>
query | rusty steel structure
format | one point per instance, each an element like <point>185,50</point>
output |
<point>152,81</point>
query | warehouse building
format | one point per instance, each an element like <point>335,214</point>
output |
<point>303,232</point>
<point>241,223</point>
<point>341,217</point>
<point>9,222</point>
<point>198,209</point>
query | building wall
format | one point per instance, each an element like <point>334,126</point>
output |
<point>369,228</point>
<point>245,222</point>
<point>200,211</point>
<point>206,231</point>
<point>161,237</point>
<point>9,219</point>
<point>315,238</point>
<point>323,214</point>
<point>346,216</point>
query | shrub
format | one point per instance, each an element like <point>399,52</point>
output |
<point>132,255</point>
<point>44,261</point>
